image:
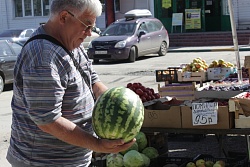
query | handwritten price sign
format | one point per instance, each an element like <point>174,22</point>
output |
<point>205,113</point>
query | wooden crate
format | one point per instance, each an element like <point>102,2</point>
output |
<point>192,76</point>
<point>180,91</point>
<point>240,107</point>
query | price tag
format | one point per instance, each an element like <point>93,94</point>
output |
<point>187,74</point>
<point>217,70</point>
<point>205,113</point>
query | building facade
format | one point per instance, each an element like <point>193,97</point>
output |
<point>196,15</point>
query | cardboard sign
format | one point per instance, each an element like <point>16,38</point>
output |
<point>205,113</point>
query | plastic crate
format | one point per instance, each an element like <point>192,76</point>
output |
<point>238,161</point>
<point>169,75</point>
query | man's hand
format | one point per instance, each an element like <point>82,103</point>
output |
<point>114,146</point>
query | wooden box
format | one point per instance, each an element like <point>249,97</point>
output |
<point>219,73</point>
<point>241,108</point>
<point>180,91</point>
<point>192,76</point>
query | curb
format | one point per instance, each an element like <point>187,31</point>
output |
<point>191,49</point>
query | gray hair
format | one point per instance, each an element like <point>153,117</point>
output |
<point>94,7</point>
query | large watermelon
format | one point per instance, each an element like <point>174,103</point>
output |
<point>118,114</point>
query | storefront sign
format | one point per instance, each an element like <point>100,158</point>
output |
<point>204,113</point>
<point>193,18</point>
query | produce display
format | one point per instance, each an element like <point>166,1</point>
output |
<point>220,63</point>
<point>198,64</point>
<point>206,163</point>
<point>133,157</point>
<point>118,114</point>
<point>234,76</point>
<point>145,93</point>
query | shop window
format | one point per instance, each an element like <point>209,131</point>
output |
<point>46,7</point>
<point>117,5</point>
<point>27,8</point>
<point>167,10</point>
<point>18,8</point>
<point>31,8</point>
<point>37,6</point>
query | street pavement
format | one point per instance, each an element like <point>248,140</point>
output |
<point>5,98</point>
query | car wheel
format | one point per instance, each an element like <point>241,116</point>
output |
<point>132,55</point>
<point>96,61</point>
<point>1,84</point>
<point>163,49</point>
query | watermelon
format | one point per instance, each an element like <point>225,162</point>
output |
<point>133,147</point>
<point>118,114</point>
<point>133,159</point>
<point>114,160</point>
<point>150,152</point>
<point>141,140</point>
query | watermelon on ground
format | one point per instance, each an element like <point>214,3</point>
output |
<point>133,159</point>
<point>114,160</point>
<point>118,114</point>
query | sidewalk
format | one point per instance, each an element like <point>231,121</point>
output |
<point>208,48</point>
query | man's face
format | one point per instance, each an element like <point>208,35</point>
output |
<point>80,27</point>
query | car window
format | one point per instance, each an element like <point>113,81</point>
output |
<point>28,33</point>
<point>143,27</point>
<point>153,26</point>
<point>120,29</point>
<point>158,25</point>
<point>5,49</point>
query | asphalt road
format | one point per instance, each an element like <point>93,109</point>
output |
<point>119,73</point>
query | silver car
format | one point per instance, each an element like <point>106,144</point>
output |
<point>8,56</point>
<point>17,35</point>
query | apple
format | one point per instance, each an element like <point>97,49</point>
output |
<point>221,162</point>
<point>200,162</point>
<point>209,163</point>
<point>190,164</point>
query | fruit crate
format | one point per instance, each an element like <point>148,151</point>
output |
<point>169,75</point>
<point>192,76</point>
<point>240,105</point>
<point>181,91</point>
<point>158,141</point>
<point>219,73</point>
<point>237,161</point>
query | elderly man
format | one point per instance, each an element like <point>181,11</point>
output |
<point>54,90</point>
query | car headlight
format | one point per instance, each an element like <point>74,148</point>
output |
<point>121,44</point>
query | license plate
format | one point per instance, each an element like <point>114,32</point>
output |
<point>101,52</point>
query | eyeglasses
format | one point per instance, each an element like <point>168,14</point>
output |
<point>88,27</point>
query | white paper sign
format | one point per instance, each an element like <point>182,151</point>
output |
<point>177,19</point>
<point>205,113</point>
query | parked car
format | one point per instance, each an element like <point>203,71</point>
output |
<point>88,39</point>
<point>136,35</point>
<point>17,35</point>
<point>8,55</point>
